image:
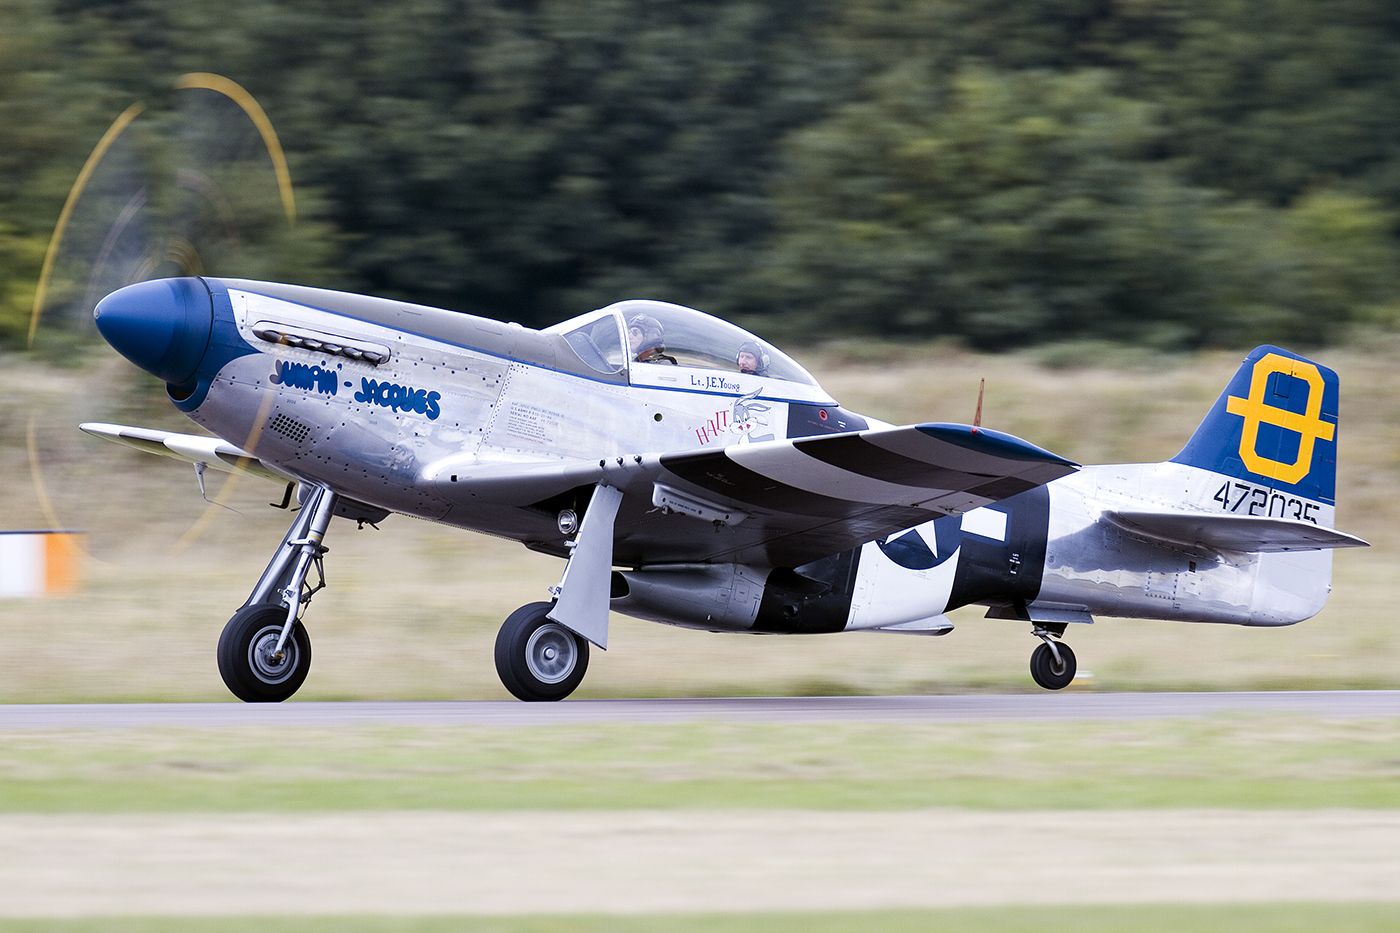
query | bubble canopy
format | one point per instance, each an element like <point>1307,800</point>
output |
<point>642,332</point>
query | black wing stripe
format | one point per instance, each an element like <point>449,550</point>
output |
<point>1003,488</point>
<point>716,473</point>
<point>855,454</point>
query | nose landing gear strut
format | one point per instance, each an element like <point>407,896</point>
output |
<point>264,651</point>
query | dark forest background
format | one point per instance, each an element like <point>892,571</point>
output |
<point>1177,174</point>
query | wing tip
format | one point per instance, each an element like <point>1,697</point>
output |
<point>99,429</point>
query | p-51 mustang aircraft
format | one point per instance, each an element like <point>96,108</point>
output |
<point>734,493</point>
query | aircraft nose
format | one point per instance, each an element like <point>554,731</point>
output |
<point>163,325</point>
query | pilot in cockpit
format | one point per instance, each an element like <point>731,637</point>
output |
<point>647,340</point>
<point>752,359</point>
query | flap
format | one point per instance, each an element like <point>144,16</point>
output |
<point>1243,533</point>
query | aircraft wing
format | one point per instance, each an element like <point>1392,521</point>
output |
<point>1242,533</point>
<point>782,502</point>
<point>191,448</point>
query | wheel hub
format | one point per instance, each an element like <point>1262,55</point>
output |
<point>550,653</point>
<point>267,663</point>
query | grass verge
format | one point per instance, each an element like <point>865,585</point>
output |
<point>1237,762</point>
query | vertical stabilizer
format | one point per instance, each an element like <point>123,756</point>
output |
<point>1275,426</point>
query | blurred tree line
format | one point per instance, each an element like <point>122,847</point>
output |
<point>1170,172</point>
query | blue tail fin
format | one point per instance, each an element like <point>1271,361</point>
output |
<point>1275,425</point>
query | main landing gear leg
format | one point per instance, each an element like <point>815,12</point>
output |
<point>1052,663</point>
<point>542,648</point>
<point>264,651</point>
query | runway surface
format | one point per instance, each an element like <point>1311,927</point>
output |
<point>923,709</point>
<point>644,862</point>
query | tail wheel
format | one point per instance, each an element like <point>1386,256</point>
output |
<point>1050,673</point>
<point>252,668</point>
<point>537,658</point>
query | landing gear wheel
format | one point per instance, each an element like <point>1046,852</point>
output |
<point>1047,672</point>
<point>247,661</point>
<point>537,658</point>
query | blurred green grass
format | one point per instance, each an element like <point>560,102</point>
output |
<point>412,609</point>
<point>1249,762</point>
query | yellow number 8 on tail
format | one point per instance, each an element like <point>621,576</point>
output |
<point>1255,410</point>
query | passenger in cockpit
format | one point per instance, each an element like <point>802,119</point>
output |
<point>647,340</point>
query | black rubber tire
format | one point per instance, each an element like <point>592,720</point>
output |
<point>514,647</point>
<point>1044,670</point>
<point>255,680</point>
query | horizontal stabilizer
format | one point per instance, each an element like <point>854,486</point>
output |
<point>1242,533</point>
<point>191,448</point>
